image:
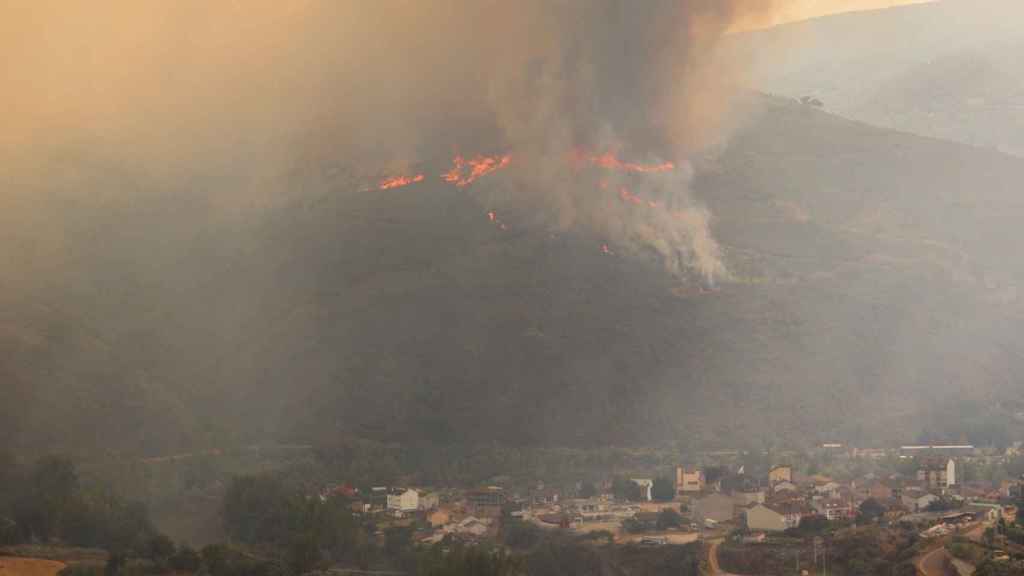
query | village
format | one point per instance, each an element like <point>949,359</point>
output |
<point>721,503</point>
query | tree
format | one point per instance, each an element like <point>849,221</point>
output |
<point>461,560</point>
<point>664,489</point>
<point>159,549</point>
<point>303,554</point>
<point>713,474</point>
<point>669,518</point>
<point>939,506</point>
<point>587,489</point>
<point>115,564</point>
<point>216,559</point>
<point>520,535</point>
<point>185,560</point>
<point>52,489</point>
<point>259,509</point>
<point>397,540</point>
<point>871,509</point>
<point>8,531</point>
<point>625,489</point>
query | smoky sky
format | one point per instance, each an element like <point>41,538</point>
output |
<point>228,101</point>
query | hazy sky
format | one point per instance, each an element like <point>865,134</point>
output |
<point>793,10</point>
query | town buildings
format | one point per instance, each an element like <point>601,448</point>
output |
<point>403,500</point>
<point>937,473</point>
<point>646,485</point>
<point>773,518</point>
<point>486,502</point>
<point>780,474</point>
<point>689,481</point>
<point>715,507</point>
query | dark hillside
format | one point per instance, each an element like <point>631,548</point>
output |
<point>874,290</point>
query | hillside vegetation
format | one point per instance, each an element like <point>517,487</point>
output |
<point>874,292</point>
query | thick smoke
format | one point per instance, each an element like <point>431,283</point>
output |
<point>231,93</point>
<point>233,99</point>
<point>550,79</point>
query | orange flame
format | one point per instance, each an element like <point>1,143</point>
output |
<point>628,196</point>
<point>493,217</point>
<point>399,181</point>
<point>610,162</point>
<point>464,172</point>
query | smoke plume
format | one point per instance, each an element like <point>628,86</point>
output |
<point>230,100</point>
<point>231,93</point>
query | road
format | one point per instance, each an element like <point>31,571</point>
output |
<point>933,563</point>
<point>716,570</point>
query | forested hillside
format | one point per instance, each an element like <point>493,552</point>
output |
<point>872,290</point>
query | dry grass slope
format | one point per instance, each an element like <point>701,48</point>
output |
<point>10,566</point>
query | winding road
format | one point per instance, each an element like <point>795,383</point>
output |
<point>933,563</point>
<point>716,570</point>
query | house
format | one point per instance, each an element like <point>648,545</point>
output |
<point>688,482</point>
<point>869,453</point>
<point>780,474</point>
<point>429,501</point>
<point>775,518</point>
<point>470,526</point>
<point>937,472</point>
<point>835,509</point>
<point>716,507</point>
<point>407,500</point>
<point>738,482</point>
<point>918,500</point>
<point>486,502</point>
<point>645,484</point>
<point>1006,489</point>
<point>830,488</point>
<point>944,450</point>
<point>755,538</point>
<point>378,497</point>
<point>881,490</point>
<point>339,491</point>
<point>985,512</point>
<point>439,517</point>
<point>747,498</point>
<point>784,487</point>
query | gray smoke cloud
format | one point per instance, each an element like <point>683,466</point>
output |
<point>244,94</point>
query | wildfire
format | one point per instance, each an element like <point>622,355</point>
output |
<point>611,162</point>
<point>493,217</point>
<point>628,196</point>
<point>399,181</point>
<point>632,198</point>
<point>464,172</point>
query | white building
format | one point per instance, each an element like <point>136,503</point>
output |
<point>404,500</point>
<point>687,482</point>
<point>645,484</point>
<point>429,501</point>
<point>950,473</point>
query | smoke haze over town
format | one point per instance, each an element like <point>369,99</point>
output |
<point>478,254</point>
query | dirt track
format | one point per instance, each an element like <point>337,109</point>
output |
<point>11,566</point>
